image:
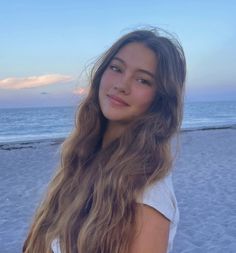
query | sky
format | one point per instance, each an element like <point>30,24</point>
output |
<point>48,47</point>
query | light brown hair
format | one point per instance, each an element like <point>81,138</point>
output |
<point>90,203</point>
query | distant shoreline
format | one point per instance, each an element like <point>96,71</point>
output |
<point>22,144</point>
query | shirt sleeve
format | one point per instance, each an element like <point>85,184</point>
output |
<point>55,246</point>
<point>161,197</point>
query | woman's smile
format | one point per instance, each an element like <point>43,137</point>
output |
<point>116,101</point>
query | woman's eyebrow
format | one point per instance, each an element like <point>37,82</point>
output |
<point>139,70</point>
<point>119,59</point>
<point>147,72</point>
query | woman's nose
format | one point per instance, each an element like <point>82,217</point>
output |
<point>123,84</point>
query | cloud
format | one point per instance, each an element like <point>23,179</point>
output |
<point>14,83</point>
<point>80,91</point>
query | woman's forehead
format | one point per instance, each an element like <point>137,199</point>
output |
<point>138,55</point>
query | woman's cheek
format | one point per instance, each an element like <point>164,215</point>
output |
<point>106,81</point>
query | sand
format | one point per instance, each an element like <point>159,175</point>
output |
<point>204,180</point>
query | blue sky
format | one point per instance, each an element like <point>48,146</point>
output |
<point>46,45</point>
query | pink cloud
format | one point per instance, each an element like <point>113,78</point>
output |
<point>15,83</point>
<point>80,91</point>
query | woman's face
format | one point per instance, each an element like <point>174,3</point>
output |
<point>128,86</point>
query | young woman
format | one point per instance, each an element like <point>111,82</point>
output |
<point>113,191</point>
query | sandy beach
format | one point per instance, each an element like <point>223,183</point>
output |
<point>204,179</point>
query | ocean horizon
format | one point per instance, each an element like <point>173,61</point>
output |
<point>40,123</point>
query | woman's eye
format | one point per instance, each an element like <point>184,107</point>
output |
<point>144,81</point>
<point>115,68</point>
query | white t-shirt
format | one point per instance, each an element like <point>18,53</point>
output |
<point>161,197</point>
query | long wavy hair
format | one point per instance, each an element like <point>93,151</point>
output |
<point>90,204</point>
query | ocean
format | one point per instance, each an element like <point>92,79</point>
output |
<point>26,124</point>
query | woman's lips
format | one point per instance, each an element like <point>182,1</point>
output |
<point>117,101</point>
